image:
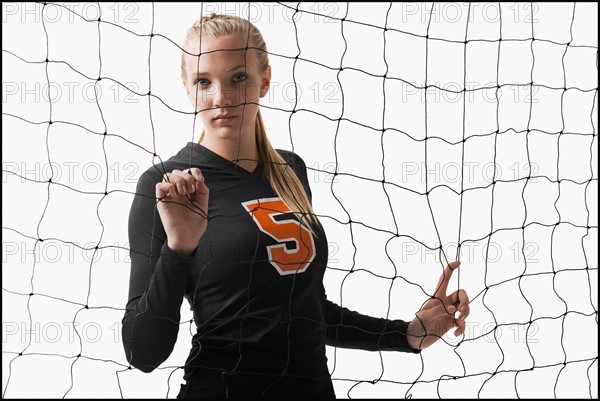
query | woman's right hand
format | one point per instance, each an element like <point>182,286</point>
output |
<point>184,220</point>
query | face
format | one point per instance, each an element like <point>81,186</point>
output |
<point>221,82</point>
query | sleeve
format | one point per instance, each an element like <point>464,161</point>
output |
<point>349,329</point>
<point>156,285</point>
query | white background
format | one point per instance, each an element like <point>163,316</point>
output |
<point>52,327</point>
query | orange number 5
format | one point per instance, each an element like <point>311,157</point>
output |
<point>286,261</point>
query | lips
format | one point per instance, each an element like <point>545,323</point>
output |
<point>224,117</point>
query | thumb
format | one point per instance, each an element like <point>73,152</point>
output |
<point>200,197</point>
<point>201,188</point>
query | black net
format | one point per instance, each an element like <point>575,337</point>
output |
<point>431,132</point>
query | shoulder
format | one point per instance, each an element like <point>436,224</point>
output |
<point>299,167</point>
<point>294,160</point>
<point>149,178</point>
<point>155,173</point>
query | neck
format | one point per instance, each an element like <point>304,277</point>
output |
<point>243,152</point>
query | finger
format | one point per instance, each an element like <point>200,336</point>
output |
<point>459,298</point>
<point>164,189</point>
<point>199,181</point>
<point>460,327</point>
<point>463,316</point>
<point>463,301</point>
<point>201,188</point>
<point>174,173</point>
<point>183,181</point>
<point>171,178</point>
<point>197,187</point>
<point>194,175</point>
<point>461,322</point>
<point>199,198</point>
<point>183,187</point>
<point>442,286</point>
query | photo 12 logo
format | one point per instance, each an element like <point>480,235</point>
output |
<point>69,12</point>
<point>454,12</point>
<point>53,332</point>
<point>70,172</point>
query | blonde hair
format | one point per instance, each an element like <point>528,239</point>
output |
<point>283,179</point>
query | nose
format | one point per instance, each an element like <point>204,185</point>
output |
<point>222,96</point>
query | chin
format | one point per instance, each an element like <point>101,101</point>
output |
<point>226,132</point>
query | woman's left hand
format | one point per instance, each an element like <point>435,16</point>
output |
<point>437,315</point>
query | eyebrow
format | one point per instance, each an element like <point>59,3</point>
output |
<point>237,67</point>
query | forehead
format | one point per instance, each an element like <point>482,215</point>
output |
<point>219,52</point>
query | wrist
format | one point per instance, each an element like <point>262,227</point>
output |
<point>181,248</point>
<point>414,334</point>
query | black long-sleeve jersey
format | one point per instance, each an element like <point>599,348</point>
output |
<point>254,283</point>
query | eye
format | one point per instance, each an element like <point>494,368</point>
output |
<point>239,78</point>
<point>201,82</point>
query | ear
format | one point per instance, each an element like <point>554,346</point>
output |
<point>265,82</point>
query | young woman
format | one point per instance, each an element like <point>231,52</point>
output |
<point>228,224</point>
